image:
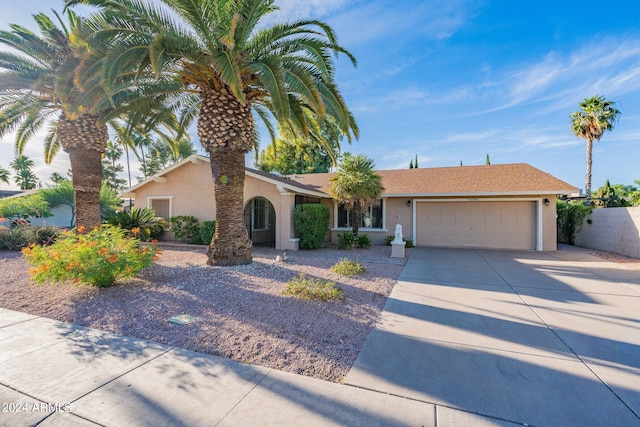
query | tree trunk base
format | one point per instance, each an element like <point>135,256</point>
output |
<point>229,253</point>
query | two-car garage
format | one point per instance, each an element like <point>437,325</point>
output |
<point>484,224</point>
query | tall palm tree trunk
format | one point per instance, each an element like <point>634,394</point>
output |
<point>588,176</point>
<point>86,167</point>
<point>225,128</point>
<point>85,141</point>
<point>230,244</point>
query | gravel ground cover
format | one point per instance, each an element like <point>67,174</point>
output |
<point>240,311</point>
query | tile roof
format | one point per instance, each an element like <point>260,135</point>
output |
<point>517,178</point>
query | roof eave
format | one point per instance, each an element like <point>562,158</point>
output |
<point>483,194</point>
<point>290,187</point>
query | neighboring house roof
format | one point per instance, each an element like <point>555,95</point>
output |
<point>9,193</point>
<point>502,179</point>
<point>21,193</point>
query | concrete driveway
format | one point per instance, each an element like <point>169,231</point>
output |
<point>532,338</point>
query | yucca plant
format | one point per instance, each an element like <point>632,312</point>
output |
<point>139,222</point>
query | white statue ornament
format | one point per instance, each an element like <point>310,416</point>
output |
<point>398,238</point>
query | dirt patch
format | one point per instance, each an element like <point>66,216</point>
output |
<point>240,311</point>
<point>621,259</point>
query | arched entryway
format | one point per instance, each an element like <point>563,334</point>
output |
<point>260,220</point>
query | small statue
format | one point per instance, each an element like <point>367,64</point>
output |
<point>398,237</point>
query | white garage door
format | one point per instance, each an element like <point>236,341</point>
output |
<point>501,225</point>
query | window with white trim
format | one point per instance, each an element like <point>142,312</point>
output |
<point>371,217</point>
<point>161,206</point>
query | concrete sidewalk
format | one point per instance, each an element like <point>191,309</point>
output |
<point>57,374</point>
<point>532,338</point>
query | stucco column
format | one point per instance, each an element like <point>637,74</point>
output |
<point>285,227</point>
<point>539,224</point>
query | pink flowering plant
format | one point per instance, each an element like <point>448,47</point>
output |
<point>98,257</point>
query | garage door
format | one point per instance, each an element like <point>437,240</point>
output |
<point>500,225</point>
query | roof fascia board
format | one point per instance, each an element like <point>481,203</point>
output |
<point>485,194</point>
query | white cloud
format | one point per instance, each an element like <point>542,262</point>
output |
<point>384,20</point>
<point>294,10</point>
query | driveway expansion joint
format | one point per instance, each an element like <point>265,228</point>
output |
<point>566,344</point>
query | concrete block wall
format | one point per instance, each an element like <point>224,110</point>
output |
<point>612,229</point>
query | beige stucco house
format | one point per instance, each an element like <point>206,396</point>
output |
<point>509,206</point>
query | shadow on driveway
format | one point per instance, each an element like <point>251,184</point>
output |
<point>522,336</point>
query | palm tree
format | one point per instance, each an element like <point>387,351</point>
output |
<point>4,175</point>
<point>356,185</point>
<point>111,166</point>
<point>54,79</point>
<point>230,67</point>
<point>596,116</point>
<point>24,177</point>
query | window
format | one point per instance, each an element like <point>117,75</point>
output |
<point>260,218</point>
<point>301,200</point>
<point>371,217</point>
<point>161,205</point>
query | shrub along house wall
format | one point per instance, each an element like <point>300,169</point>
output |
<point>612,229</point>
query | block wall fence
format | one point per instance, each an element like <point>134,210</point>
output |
<point>612,229</point>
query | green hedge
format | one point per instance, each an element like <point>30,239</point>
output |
<point>312,221</point>
<point>188,229</point>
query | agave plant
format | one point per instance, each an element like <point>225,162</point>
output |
<point>141,223</point>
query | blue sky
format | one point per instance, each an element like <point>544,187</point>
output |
<point>453,80</point>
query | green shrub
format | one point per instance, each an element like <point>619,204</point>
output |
<point>347,240</point>
<point>99,257</point>
<point>32,206</point>
<point>141,223</point>
<point>313,289</point>
<point>312,221</point>
<point>570,216</point>
<point>16,238</point>
<point>207,230</point>
<point>186,228</point>
<point>364,241</point>
<point>389,239</point>
<point>347,267</point>
<point>46,235</point>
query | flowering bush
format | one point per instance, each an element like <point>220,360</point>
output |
<point>98,257</point>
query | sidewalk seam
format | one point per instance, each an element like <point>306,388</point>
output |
<point>243,397</point>
<point>122,375</point>
<point>436,405</point>
<point>20,321</point>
